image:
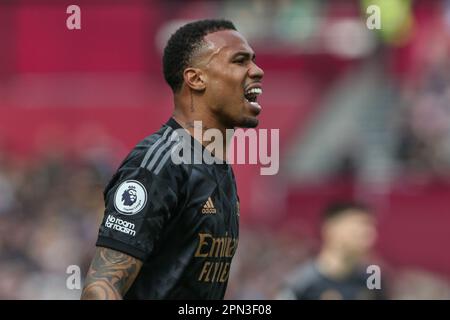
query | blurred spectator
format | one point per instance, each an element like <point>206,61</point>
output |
<point>416,284</point>
<point>264,255</point>
<point>49,215</point>
<point>424,147</point>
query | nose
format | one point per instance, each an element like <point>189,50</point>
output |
<point>255,72</point>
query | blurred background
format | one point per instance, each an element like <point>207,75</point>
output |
<point>363,115</point>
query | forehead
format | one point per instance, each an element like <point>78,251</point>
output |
<point>227,42</point>
<point>352,216</point>
<point>357,216</point>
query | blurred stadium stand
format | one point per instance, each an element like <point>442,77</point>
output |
<point>362,115</point>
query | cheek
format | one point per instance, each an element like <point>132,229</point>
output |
<point>364,236</point>
<point>349,234</point>
<point>220,90</point>
<point>226,83</point>
<point>370,235</point>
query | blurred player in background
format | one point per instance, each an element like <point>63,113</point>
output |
<point>339,270</point>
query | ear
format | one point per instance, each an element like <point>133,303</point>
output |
<point>194,78</point>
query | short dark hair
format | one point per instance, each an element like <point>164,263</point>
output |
<point>337,208</point>
<point>183,43</point>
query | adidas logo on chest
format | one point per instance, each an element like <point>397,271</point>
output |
<point>208,207</point>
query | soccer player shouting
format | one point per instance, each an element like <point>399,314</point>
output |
<point>170,230</point>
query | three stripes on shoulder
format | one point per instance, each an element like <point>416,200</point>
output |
<point>159,153</point>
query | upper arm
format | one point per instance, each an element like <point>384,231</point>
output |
<point>110,275</point>
<point>139,200</point>
<point>138,205</point>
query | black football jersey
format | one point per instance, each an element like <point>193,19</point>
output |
<point>308,283</point>
<point>180,219</point>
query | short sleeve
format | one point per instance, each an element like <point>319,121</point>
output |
<point>138,204</point>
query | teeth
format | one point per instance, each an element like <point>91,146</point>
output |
<point>257,91</point>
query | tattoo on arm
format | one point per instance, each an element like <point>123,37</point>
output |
<point>110,275</point>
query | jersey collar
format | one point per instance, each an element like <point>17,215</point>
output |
<point>175,125</point>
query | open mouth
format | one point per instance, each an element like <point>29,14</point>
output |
<point>251,95</point>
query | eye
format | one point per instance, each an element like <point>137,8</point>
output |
<point>240,60</point>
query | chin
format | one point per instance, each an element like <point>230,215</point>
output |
<point>248,122</point>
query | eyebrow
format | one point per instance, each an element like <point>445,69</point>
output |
<point>246,54</point>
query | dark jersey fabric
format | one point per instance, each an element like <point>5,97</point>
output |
<point>308,283</point>
<point>181,220</point>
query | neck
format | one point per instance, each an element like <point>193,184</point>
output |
<point>196,121</point>
<point>335,263</point>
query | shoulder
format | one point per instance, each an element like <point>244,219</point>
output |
<point>150,161</point>
<point>302,279</point>
<point>154,153</point>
